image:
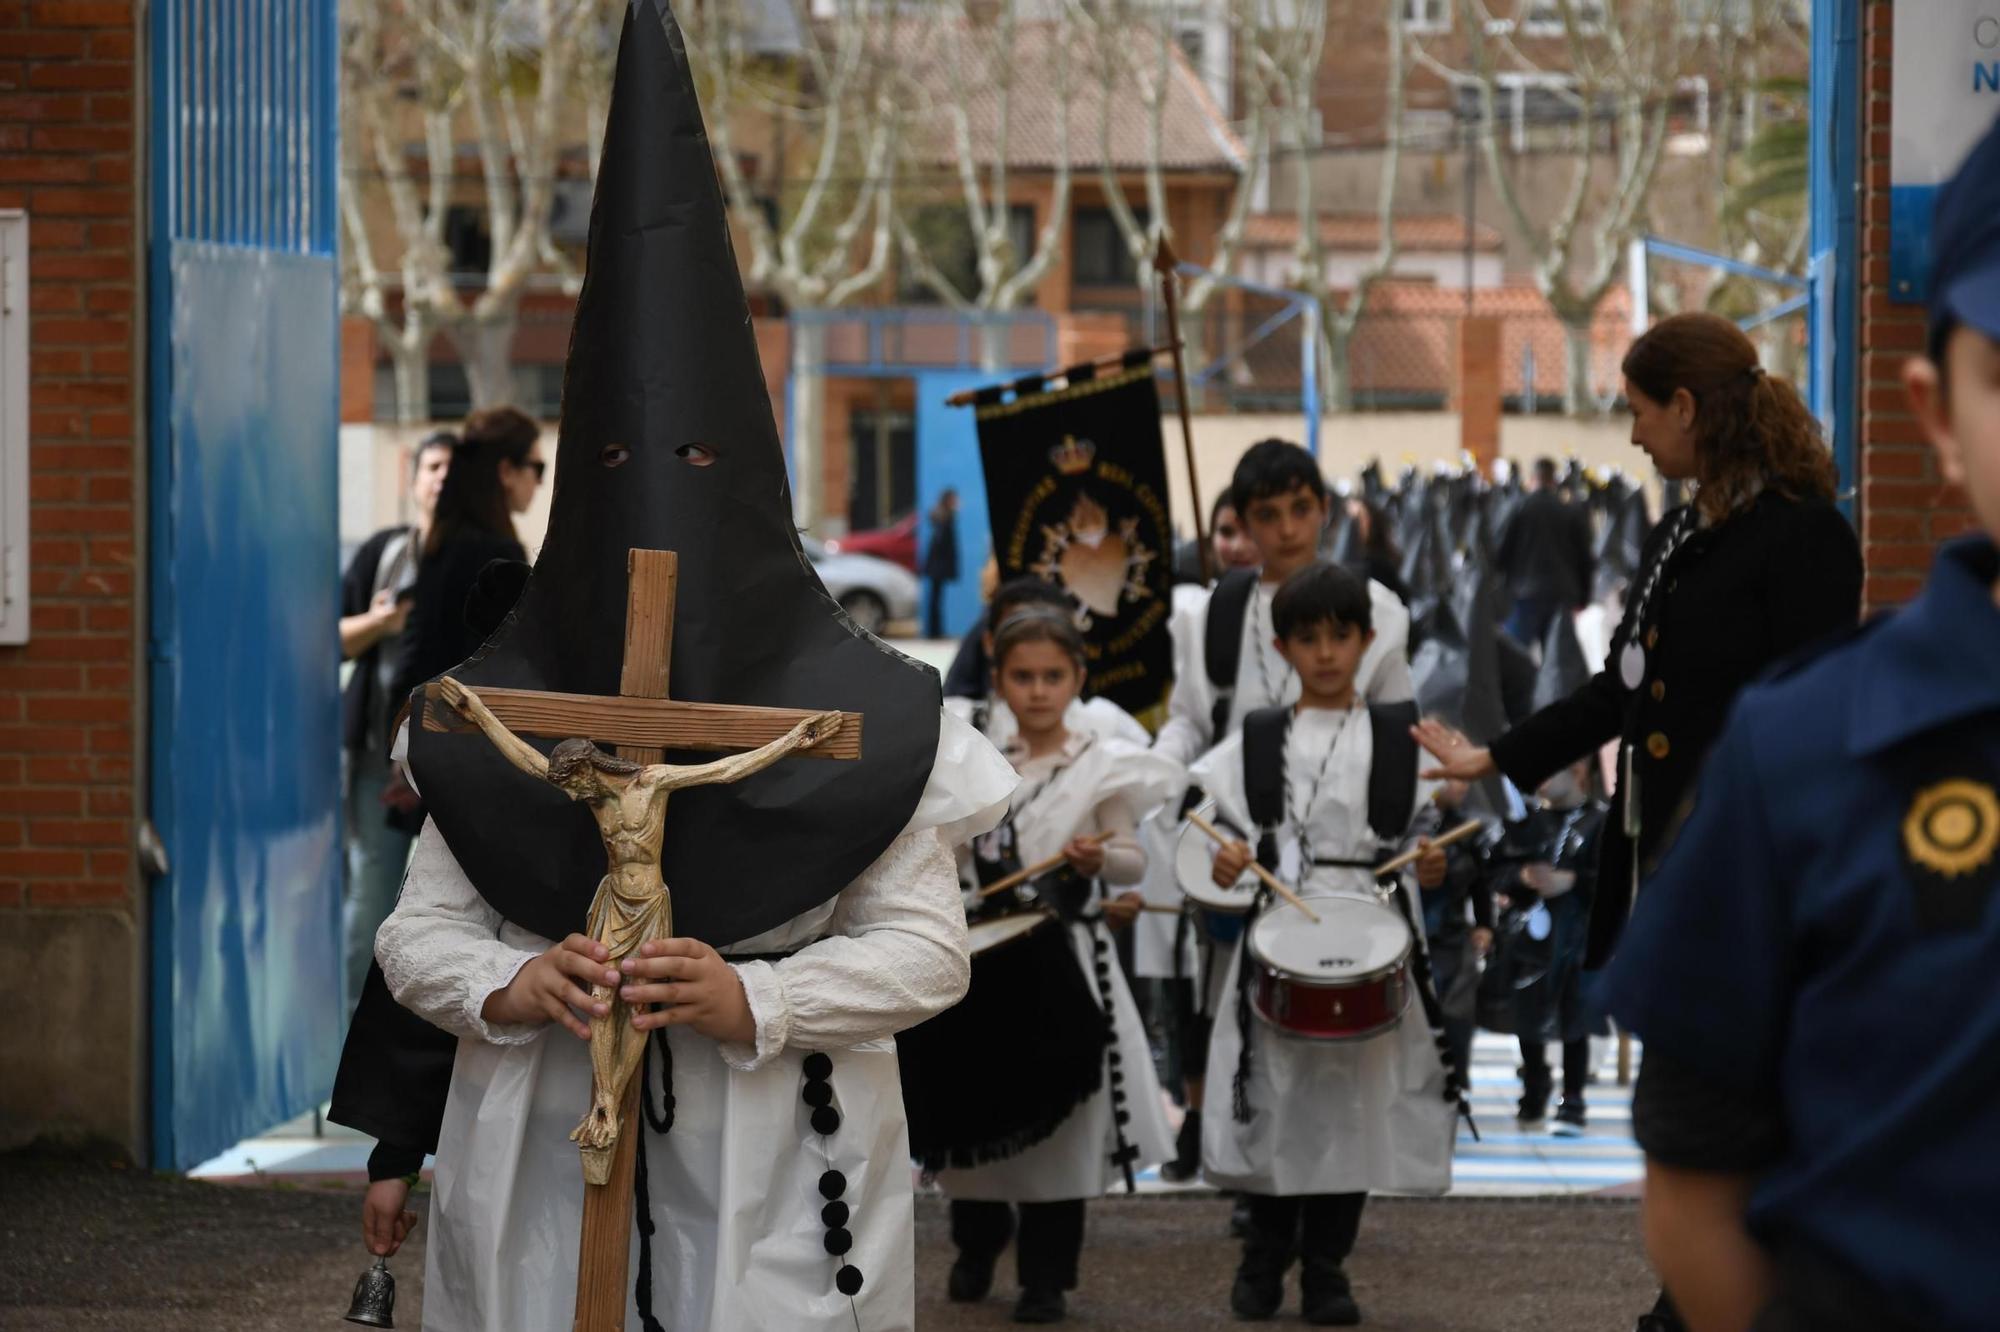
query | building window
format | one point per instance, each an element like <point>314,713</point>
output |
<point>1101,258</point>
<point>1427,15</point>
<point>1192,42</point>
<point>1531,102</point>
<point>1545,18</point>
<point>944,233</point>
<point>466,236</point>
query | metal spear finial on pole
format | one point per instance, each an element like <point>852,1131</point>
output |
<point>1165,262</point>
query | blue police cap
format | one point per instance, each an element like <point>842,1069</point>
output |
<point>1965,242</point>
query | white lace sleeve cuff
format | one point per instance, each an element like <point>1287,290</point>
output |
<point>440,948</point>
<point>499,968</point>
<point>765,991</point>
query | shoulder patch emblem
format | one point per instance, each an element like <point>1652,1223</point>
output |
<point>1953,827</point>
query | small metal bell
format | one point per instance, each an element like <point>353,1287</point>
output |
<point>374,1297</point>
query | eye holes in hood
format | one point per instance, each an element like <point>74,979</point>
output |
<point>695,455</point>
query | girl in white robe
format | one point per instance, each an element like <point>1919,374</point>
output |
<point>762,1222</point>
<point>1325,1122</point>
<point>1084,795</point>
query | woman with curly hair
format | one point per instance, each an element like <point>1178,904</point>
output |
<point>1759,565</point>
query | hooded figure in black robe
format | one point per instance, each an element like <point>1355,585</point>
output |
<point>667,442</point>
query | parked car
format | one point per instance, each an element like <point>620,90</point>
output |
<point>896,543</point>
<point>873,591</point>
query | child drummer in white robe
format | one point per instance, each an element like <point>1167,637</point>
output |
<point>1225,667</point>
<point>739,1196</point>
<point>1307,1128</point>
<point>1081,796</point>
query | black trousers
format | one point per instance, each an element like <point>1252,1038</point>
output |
<point>1576,1063</point>
<point>934,609</point>
<point>1046,1249</point>
<point>1191,1031</point>
<point>1319,1228</point>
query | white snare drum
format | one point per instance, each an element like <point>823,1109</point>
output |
<point>986,935</point>
<point>1194,859</point>
<point>1344,978</point>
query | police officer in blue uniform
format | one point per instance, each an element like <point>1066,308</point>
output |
<point>1815,964</point>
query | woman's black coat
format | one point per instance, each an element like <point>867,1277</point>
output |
<point>1735,599</point>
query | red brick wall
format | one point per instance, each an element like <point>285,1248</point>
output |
<point>1905,509</point>
<point>70,741</point>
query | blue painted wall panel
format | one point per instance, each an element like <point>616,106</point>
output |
<point>948,458</point>
<point>243,357</point>
<point>245,743</point>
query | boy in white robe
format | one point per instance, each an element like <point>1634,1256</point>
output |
<point>1283,504</point>
<point>1307,1128</point>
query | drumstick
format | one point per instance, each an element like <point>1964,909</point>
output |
<point>1021,876</point>
<point>1270,879</point>
<point>1414,854</point>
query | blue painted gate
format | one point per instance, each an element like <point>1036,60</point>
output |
<point>243,348</point>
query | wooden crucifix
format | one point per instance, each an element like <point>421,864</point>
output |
<point>628,796</point>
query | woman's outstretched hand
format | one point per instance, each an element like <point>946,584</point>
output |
<point>1458,759</point>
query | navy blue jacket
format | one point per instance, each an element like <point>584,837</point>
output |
<point>1820,939</point>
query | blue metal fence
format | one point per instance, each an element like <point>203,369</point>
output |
<point>243,769</point>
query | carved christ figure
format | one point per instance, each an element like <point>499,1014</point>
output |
<point>632,904</point>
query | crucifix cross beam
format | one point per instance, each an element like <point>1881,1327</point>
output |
<point>642,722</point>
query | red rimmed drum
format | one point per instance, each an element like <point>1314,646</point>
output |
<point>1345,977</point>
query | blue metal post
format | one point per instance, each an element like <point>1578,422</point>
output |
<point>1309,373</point>
<point>1835,236</point>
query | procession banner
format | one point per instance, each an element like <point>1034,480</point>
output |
<point>1076,491</point>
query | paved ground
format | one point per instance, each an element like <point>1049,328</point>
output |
<point>1507,1162</point>
<point>89,1246</point>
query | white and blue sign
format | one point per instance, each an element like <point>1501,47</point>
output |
<point>1945,91</point>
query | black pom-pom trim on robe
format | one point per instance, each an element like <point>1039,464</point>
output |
<point>1002,1070</point>
<point>817,1093</point>
<point>1124,1155</point>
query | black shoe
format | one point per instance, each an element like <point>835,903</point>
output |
<point>1256,1298</point>
<point>1570,1118</point>
<point>1535,1088</point>
<point>1326,1299</point>
<point>1186,1164</point>
<point>1040,1306</point>
<point>971,1278</point>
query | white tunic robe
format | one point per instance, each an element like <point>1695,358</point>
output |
<point>1094,716</point>
<point>1075,1161</point>
<point>1263,679</point>
<point>734,1186</point>
<point>1325,1117</point>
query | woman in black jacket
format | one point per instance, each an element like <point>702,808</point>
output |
<point>1759,566</point>
<point>495,470</point>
